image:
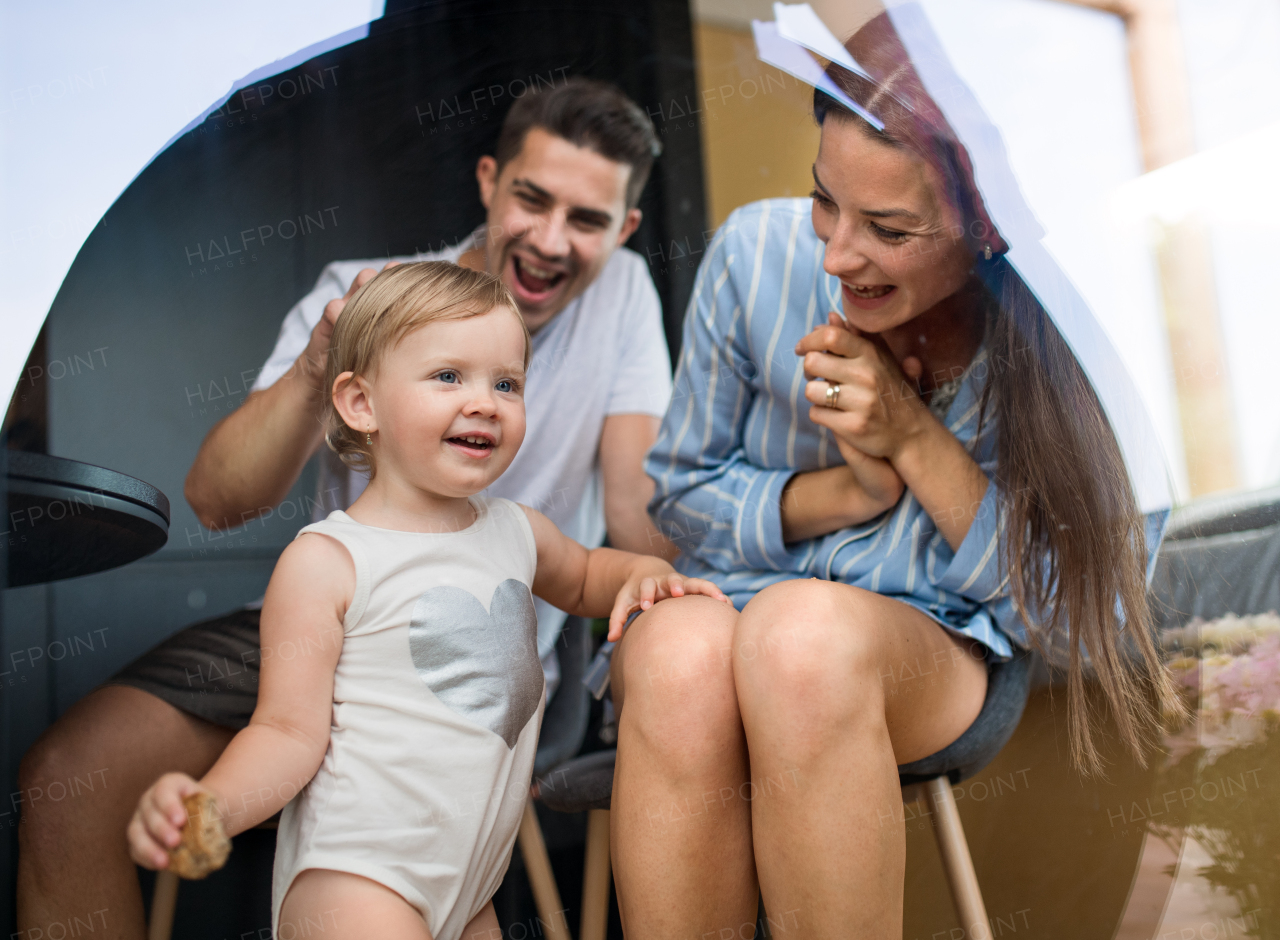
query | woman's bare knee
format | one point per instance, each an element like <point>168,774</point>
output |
<point>674,665</point>
<point>678,647</point>
<point>805,637</point>
<point>826,656</point>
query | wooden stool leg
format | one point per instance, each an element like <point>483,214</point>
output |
<point>957,861</point>
<point>543,880</point>
<point>163,903</point>
<point>597,877</point>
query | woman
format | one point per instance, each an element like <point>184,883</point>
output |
<point>936,459</point>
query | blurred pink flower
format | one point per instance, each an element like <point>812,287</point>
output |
<point>1238,677</point>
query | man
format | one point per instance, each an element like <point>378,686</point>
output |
<point>560,194</point>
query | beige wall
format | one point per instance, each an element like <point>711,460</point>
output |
<point>758,135</point>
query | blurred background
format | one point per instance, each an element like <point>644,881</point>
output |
<point>1143,134</point>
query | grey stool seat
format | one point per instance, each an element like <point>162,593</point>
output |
<point>1008,685</point>
<point>564,723</point>
<point>580,784</point>
<point>586,783</point>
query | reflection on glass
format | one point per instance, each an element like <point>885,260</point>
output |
<point>1213,786</point>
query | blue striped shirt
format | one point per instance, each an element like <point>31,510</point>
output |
<point>738,429</point>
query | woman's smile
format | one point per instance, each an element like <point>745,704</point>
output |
<point>868,296</point>
<point>879,210</point>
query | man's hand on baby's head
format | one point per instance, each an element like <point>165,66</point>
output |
<point>318,347</point>
<point>653,580</point>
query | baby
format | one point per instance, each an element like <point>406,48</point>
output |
<point>401,692</point>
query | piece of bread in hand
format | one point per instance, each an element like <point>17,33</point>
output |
<point>204,847</point>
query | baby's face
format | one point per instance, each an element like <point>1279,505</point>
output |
<point>449,403</point>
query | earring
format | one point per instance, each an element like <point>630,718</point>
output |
<point>368,438</point>
<point>986,251</point>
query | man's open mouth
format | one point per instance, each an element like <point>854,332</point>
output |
<point>535,279</point>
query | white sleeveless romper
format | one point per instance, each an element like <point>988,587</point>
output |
<point>437,702</point>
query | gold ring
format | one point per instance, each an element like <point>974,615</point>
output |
<point>833,395</point>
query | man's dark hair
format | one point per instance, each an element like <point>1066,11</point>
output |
<point>587,113</point>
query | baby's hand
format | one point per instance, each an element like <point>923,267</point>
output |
<point>157,823</point>
<point>651,581</point>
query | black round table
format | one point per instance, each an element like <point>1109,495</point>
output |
<point>67,518</point>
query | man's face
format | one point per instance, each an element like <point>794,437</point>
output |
<point>556,214</point>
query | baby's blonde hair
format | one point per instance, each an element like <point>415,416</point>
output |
<point>385,311</point>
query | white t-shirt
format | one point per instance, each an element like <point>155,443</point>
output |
<point>603,354</point>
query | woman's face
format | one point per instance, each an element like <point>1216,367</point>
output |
<point>897,247</point>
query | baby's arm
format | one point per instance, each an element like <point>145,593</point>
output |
<point>604,582</point>
<point>269,762</point>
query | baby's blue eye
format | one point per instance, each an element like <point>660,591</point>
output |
<point>448,376</point>
<point>505,386</point>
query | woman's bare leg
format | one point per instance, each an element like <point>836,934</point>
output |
<point>837,686</point>
<point>336,905</point>
<point>681,833</point>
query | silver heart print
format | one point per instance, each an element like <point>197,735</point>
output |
<point>484,666</point>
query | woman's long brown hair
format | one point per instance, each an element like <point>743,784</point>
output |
<point>1075,546</point>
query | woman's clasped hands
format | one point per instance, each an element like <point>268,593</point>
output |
<point>876,411</point>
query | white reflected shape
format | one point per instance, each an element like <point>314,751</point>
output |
<point>798,22</point>
<point>91,93</point>
<point>1233,182</point>
<point>1070,132</point>
<point>1014,218</point>
<point>784,54</point>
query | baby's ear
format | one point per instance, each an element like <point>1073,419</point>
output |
<point>352,401</point>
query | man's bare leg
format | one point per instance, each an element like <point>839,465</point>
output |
<point>105,751</point>
<point>681,823</point>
